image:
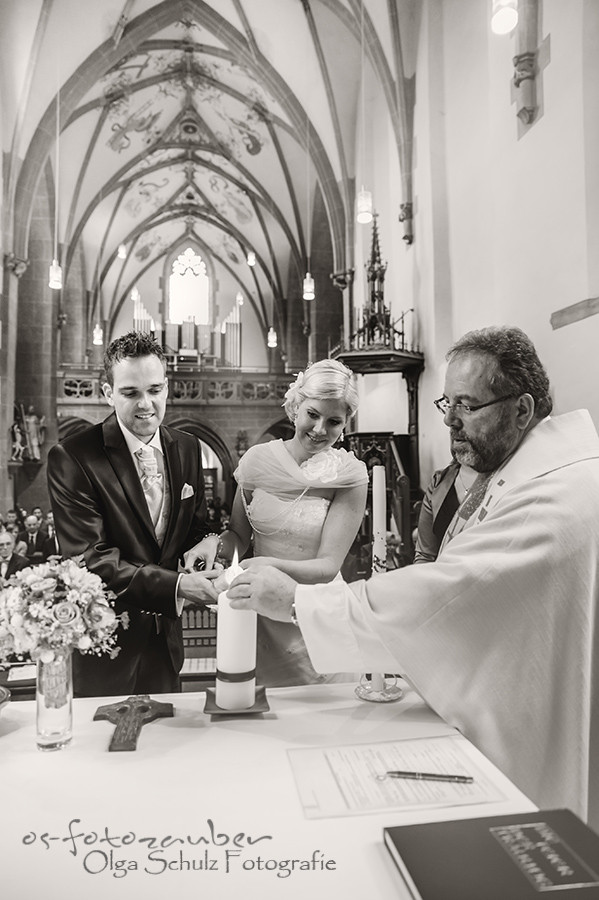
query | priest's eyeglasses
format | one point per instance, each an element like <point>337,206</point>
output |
<point>444,406</point>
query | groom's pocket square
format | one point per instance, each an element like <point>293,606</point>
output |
<point>187,491</point>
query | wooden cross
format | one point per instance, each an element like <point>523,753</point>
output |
<point>129,716</point>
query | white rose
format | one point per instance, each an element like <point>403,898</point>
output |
<point>65,613</point>
<point>27,642</point>
<point>99,615</point>
<point>42,585</point>
<point>29,577</point>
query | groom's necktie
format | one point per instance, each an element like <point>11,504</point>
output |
<point>151,482</point>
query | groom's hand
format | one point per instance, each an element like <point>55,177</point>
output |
<point>264,589</point>
<point>198,587</point>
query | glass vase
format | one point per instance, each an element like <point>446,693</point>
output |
<point>54,699</point>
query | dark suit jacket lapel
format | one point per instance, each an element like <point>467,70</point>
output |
<point>444,487</point>
<point>443,505</point>
<point>173,466</point>
<point>124,468</point>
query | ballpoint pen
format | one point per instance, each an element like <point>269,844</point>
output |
<point>427,776</point>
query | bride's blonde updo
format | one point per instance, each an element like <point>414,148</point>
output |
<point>327,379</point>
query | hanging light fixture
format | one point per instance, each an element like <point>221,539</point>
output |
<point>364,198</point>
<point>364,207</point>
<point>308,290</point>
<point>504,16</point>
<point>251,260</point>
<point>271,338</point>
<point>55,276</point>
<point>122,251</point>
<point>308,283</point>
<point>98,336</point>
<point>55,273</point>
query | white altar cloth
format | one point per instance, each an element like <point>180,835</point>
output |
<point>77,822</point>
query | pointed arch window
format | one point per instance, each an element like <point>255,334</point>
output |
<point>189,289</point>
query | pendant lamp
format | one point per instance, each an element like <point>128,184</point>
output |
<point>504,16</point>
<point>55,272</point>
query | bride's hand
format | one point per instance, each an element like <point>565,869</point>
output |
<point>220,583</point>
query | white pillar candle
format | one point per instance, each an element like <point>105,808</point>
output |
<point>377,682</point>
<point>379,543</point>
<point>235,651</point>
<point>379,520</point>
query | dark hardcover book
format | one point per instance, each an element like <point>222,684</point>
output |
<point>19,679</point>
<point>545,854</point>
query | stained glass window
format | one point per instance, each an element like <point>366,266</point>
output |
<point>189,289</point>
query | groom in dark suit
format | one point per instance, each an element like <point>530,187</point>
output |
<point>128,494</point>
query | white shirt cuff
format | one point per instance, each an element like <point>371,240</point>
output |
<point>179,601</point>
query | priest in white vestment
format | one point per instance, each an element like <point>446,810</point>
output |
<point>500,634</point>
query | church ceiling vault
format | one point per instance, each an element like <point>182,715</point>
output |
<point>225,124</point>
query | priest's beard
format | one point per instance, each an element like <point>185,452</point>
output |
<point>485,448</point>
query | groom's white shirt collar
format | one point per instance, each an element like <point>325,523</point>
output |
<point>134,443</point>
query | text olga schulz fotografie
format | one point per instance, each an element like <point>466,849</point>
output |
<point>119,854</point>
<point>157,862</point>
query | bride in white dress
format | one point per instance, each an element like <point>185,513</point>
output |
<point>300,502</point>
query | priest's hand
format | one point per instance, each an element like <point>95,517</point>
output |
<point>264,589</point>
<point>255,561</point>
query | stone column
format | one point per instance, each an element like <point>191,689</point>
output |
<point>73,314</point>
<point>14,269</point>
<point>35,369</point>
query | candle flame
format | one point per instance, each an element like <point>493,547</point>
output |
<point>235,560</point>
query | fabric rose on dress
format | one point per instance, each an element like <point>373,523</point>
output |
<point>324,466</point>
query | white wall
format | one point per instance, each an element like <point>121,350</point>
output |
<point>506,217</point>
<point>383,398</point>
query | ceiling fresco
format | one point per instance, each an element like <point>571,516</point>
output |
<point>230,126</point>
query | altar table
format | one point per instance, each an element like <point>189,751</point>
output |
<point>79,822</point>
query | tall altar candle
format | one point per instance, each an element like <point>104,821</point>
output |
<point>377,681</point>
<point>235,652</point>
<point>379,520</point>
<point>379,543</point>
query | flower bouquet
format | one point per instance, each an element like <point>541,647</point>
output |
<point>46,612</point>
